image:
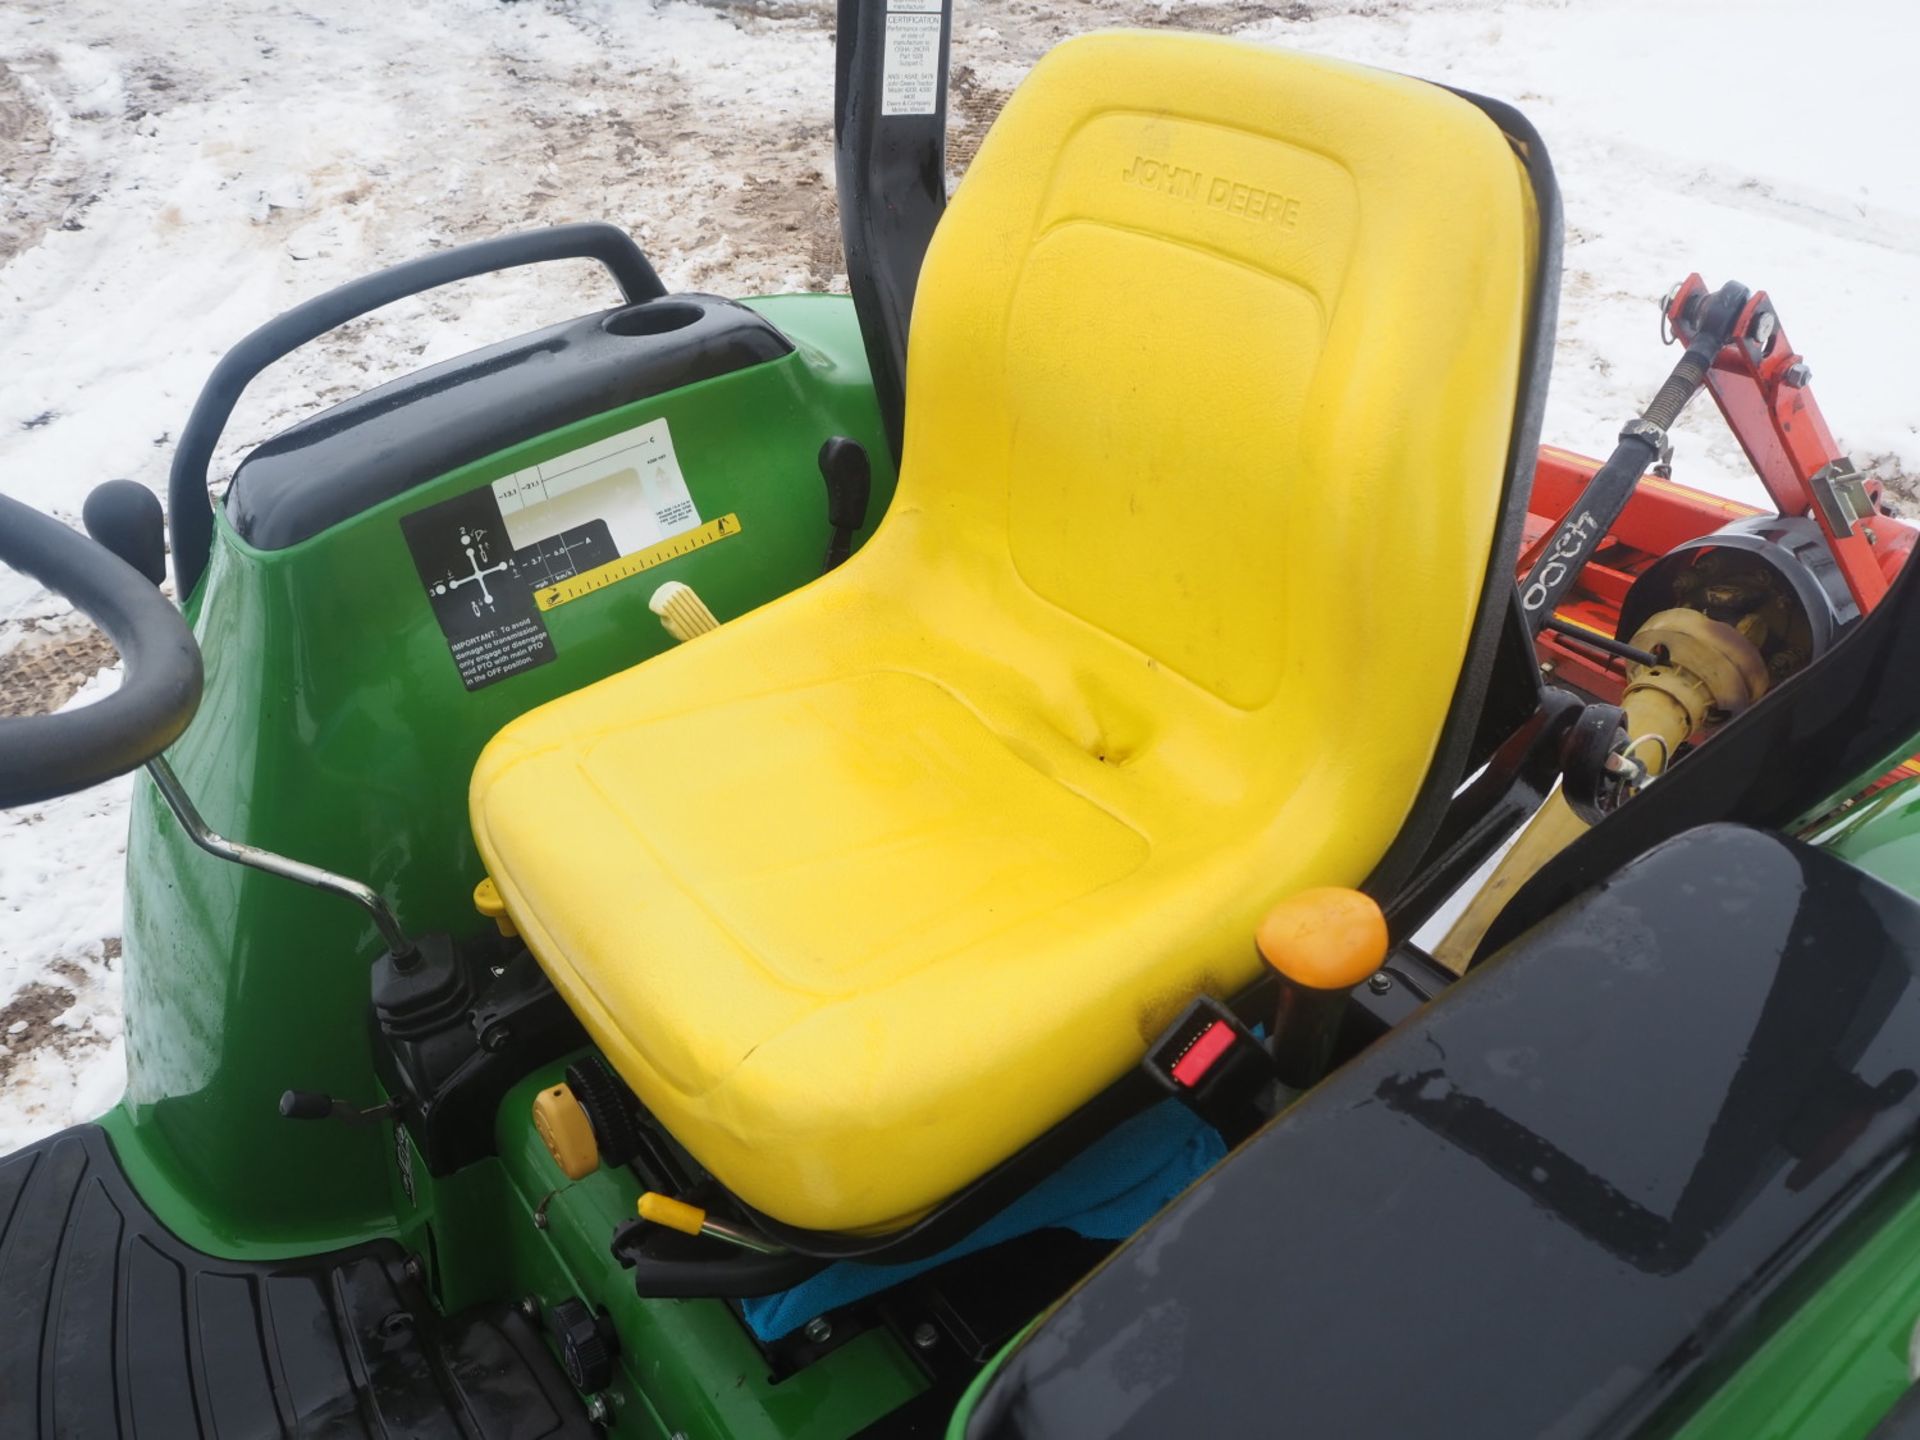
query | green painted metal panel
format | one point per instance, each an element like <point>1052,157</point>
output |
<point>1837,1356</point>
<point>688,1367</point>
<point>336,729</point>
<point>1882,836</point>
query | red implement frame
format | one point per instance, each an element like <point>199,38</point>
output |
<point>1761,386</point>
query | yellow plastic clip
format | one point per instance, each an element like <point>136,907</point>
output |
<point>490,903</point>
<point>672,1213</point>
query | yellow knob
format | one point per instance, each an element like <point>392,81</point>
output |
<point>683,613</point>
<point>1325,939</point>
<point>563,1125</point>
<point>672,1213</point>
<point>488,900</point>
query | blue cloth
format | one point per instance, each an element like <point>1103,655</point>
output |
<point>1107,1192</point>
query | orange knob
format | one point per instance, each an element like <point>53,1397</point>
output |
<point>1325,939</point>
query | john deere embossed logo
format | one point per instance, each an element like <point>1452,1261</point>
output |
<point>1216,192</point>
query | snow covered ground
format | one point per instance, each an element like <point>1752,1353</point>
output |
<point>172,175</point>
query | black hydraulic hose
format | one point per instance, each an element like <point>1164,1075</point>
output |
<point>1642,441</point>
<point>42,756</point>
<point>190,512</point>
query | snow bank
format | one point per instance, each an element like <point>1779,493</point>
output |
<point>1770,143</point>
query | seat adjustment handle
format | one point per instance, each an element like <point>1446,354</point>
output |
<point>674,1214</point>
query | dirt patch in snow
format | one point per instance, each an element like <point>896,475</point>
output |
<point>41,1017</point>
<point>26,142</point>
<point>817,12</point>
<point>804,215</point>
<point>28,1024</point>
<point>972,107</point>
<point>1902,494</point>
<point>45,669</point>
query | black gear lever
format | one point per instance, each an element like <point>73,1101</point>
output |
<point>843,465</point>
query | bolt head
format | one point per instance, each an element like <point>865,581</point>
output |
<point>925,1337</point>
<point>597,1409</point>
<point>495,1038</point>
<point>1379,982</point>
<point>1797,375</point>
<point>819,1330</point>
<point>530,1307</point>
<point>399,1323</point>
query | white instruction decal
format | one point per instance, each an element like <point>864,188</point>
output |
<point>487,555</point>
<point>597,503</point>
<point>910,67</point>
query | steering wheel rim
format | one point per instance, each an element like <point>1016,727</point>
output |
<point>44,756</point>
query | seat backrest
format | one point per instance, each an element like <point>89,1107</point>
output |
<point>1218,348</point>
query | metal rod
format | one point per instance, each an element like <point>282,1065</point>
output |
<point>745,1239</point>
<point>1605,644</point>
<point>254,857</point>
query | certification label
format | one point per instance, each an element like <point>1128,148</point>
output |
<point>910,66</point>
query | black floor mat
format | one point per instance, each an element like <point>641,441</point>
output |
<point>112,1327</point>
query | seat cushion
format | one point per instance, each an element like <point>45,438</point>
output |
<point>1212,378</point>
<point>855,917</point>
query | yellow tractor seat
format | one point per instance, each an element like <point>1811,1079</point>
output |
<point>1212,376</point>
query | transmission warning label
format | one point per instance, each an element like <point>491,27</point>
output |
<point>484,607</point>
<point>483,556</point>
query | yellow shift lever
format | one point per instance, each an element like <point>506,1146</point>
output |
<point>684,613</point>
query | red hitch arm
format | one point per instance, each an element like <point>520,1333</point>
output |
<point>1762,388</point>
